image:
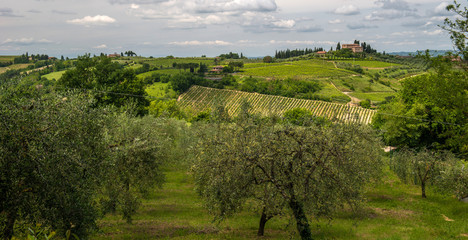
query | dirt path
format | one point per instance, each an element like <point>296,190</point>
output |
<point>354,100</point>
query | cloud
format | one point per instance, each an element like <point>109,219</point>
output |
<point>388,14</point>
<point>433,33</point>
<point>63,12</point>
<point>440,10</point>
<point>347,10</point>
<point>8,12</point>
<point>96,20</point>
<point>336,21</point>
<point>310,29</point>
<point>356,26</point>
<point>211,6</point>
<point>34,11</point>
<point>26,41</point>
<point>283,24</point>
<point>136,1</point>
<point>201,43</point>
<point>291,42</point>
<point>102,46</point>
<point>394,4</point>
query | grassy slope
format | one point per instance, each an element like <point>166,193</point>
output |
<point>305,69</point>
<point>160,90</point>
<point>370,64</point>
<point>394,211</point>
<point>54,75</point>
<point>7,58</point>
<point>14,67</point>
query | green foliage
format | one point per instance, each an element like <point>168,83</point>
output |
<point>111,83</point>
<point>166,109</point>
<point>429,111</point>
<point>454,179</point>
<point>303,117</point>
<point>457,27</point>
<point>283,169</point>
<point>365,104</point>
<point>136,159</point>
<point>52,154</point>
<point>420,167</point>
<point>267,59</point>
<point>181,82</point>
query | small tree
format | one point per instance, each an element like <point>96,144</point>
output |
<point>420,167</point>
<point>135,145</point>
<point>267,59</point>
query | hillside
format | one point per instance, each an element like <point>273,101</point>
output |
<point>201,99</point>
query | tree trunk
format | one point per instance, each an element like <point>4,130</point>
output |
<point>423,189</point>
<point>263,220</point>
<point>7,233</point>
<point>301,220</point>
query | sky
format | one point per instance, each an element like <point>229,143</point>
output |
<point>192,28</point>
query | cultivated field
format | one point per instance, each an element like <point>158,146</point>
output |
<point>54,75</point>
<point>202,99</point>
<point>304,69</point>
<point>369,63</point>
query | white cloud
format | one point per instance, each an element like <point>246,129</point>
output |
<point>336,21</point>
<point>210,6</point>
<point>284,23</point>
<point>201,43</point>
<point>134,6</point>
<point>290,42</point>
<point>394,4</point>
<point>388,14</point>
<point>96,20</point>
<point>433,33</point>
<point>441,10</point>
<point>347,10</point>
<point>26,41</point>
<point>102,46</point>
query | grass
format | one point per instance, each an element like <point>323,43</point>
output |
<point>54,75</point>
<point>303,69</point>
<point>393,211</point>
<point>7,58</point>
<point>373,96</point>
<point>160,90</point>
<point>370,63</point>
<point>14,67</point>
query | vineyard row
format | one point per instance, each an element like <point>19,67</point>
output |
<point>202,98</point>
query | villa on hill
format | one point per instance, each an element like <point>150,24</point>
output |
<point>356,48</point>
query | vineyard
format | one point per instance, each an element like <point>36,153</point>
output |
<point>202,98</point>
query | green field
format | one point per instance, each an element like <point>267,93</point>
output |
<point>370,63</point>
<point>160,90</point>
<point>304,69</point>
<point>201,99</point>
<point>14,67</point>
<point>393,211</point>
<point>7,58</point>
<point>167,62</point>
<point>54,75</point>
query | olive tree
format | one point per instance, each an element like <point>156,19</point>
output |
<point>52,152</point>
<point>284,169</point>
<point>458,27</point>
<point>135,145</point>
<point>421,167</point>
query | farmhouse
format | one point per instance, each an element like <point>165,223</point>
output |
<point>114,55</point>
<point>217,69</point>
<point>321,53</point>
<point>356,48</point>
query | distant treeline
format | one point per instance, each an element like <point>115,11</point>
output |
<point>25,58</point>
<point>295,53</point>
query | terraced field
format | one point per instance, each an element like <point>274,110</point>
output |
<point>201,98</point>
